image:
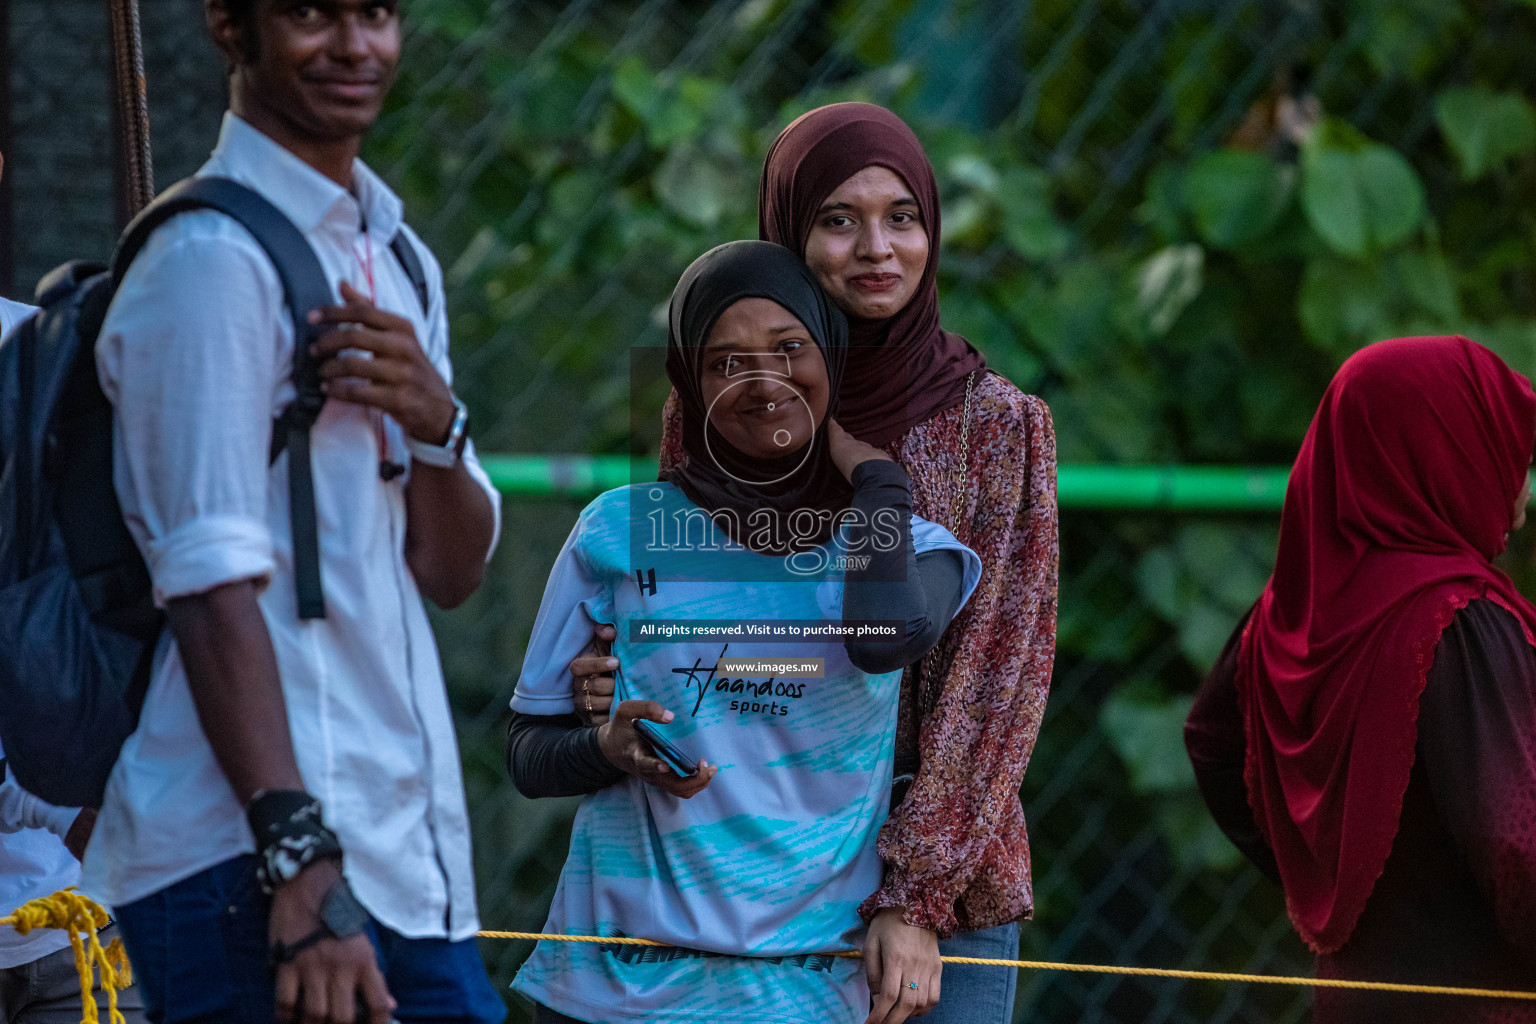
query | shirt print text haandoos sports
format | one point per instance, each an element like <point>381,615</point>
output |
<point>754,696</point>
<point>765,868</point>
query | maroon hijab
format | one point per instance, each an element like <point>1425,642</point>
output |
<point>903,370</point>
<point>1399,500</point>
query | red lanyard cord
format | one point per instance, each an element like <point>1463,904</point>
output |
<point>388,469</point>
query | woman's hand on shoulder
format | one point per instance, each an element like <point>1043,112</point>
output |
<point>848,451</point>
<point>903,966</point>
<point>630,753</point>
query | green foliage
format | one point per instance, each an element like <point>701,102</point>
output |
<point>1203,581</point>
<point>1147,732</point>
<point>1236,197</point>
<point>1360,197</point>
<point>1485,129</point>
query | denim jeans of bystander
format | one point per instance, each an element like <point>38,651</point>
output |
<point>200,956</point>
<point>971,993</point>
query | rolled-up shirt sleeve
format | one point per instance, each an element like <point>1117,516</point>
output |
<point>190,357</point>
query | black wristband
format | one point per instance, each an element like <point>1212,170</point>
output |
<point>289,835</point>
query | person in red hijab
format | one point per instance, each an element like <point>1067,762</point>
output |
<point>849,188</point>
<point>1368,737</point>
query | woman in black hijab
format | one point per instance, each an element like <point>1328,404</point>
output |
<point>762,867</point>
<point>740,385</point>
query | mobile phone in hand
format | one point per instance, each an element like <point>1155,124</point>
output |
<point>670,753</point>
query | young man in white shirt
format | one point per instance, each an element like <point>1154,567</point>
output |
<point>324,745</point>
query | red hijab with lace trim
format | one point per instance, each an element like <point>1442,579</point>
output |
<point>905,369</point>
<point>1400,498</point>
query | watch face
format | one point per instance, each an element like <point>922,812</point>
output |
<point>463,438</point>
<point>341,913</point>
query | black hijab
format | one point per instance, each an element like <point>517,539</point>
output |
<point>775,506</point>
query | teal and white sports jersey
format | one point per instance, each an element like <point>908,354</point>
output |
<point>755,877</point>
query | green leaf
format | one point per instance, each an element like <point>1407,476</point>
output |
<point>1408,37</point>
<point>1346,304</point>
<point>1236,196</point>
<point>673,111</point>
<point>1340,303</point>
<point>1030,225</point>
<point>1276,406</point>
<point>1394,196</point>
<point>1427,281</point>
<point>1164,205</point>
<point>698,186</point>
<point>972,170</point>
<point>1204,631</point>
<point>1485,129</point>
<point>634,86</point>
<point>1071,318</point>
<point>967,220</point>
<point>1147,733</point>
<point>1359,196</point>
<point>1331,199</point>
<point>1195,840</point>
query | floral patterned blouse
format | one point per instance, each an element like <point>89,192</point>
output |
<point>956,850</point>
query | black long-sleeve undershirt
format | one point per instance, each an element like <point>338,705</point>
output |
<point>556,755</point>
<point>923,591</point>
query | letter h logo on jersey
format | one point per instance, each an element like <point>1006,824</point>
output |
<point>647,580</point>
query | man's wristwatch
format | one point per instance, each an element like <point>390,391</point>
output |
<point>341,917</point>
<point>447,454</point>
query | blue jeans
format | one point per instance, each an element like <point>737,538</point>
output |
<point>199,953</point>
<point>971,993</point>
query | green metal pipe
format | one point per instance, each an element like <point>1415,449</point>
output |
<point>1107,488</point>
<point>1172,488</point>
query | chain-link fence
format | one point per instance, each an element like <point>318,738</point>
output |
<point>1150,219</point>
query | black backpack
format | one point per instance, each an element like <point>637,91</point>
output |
<point>78,626</point>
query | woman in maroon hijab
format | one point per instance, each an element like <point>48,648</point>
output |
<point>849,187</point>
<point>1368,738</point>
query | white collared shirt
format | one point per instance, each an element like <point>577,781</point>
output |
<point>34,862</point>
<point>13,313</point>
<point>196,356</point>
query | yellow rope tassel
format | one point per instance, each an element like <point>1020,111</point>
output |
<point>1143,972</point>
<point>81,917</point>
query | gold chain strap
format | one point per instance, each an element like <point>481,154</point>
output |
<point>965,454</point>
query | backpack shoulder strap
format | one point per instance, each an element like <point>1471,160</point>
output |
<point>305,285</point>
<point>410,262</point>
<point>305,288</point>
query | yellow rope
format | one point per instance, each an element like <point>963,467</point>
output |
<point>1144,972</point>
<point>81,917</point>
